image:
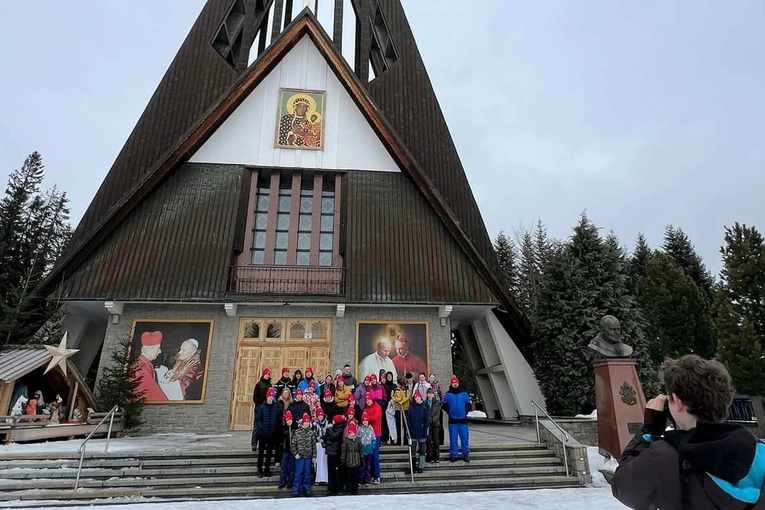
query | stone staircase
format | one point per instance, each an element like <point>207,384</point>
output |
<point>34,479</point>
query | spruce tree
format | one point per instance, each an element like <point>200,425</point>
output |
<point>118,385</point>
<point>529,278</point>
<point>678,316</point>
<point>35,228</point>
<point>507,256</point>
<point>678,245</point>
<point>740,313</point>
<point>586,280</point>
<point>638,264</point>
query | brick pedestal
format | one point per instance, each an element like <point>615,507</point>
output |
<point>620,403</point>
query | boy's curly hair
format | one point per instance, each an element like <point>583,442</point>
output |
<point>704,386</point>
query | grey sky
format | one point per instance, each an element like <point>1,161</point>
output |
<point>643,113</point>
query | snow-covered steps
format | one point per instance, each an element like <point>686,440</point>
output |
<point>49,478</point>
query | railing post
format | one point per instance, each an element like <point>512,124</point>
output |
<point>109,433</point>
<point>565,454</point>
<point>536,420</point>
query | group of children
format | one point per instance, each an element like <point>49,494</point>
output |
<point>341,451</point>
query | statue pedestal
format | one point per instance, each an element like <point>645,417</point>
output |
<point>620,404</point>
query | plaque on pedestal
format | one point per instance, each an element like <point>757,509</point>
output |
<point>620,403</point>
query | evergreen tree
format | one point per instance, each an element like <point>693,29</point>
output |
<point>35,229</point>
<point>586,280</point>
<point>678,246</point>
<point>740,313</point>
<point>638,264</point>
<point>529,278</point>
<point>462,368</point>
<point>118,385</point>
<point>680,322</point>
<point>507,255</point>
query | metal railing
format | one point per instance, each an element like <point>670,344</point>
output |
<point>408,435</point>
<point>287,280</point>
<point>564,434</point>
<point>81,450</point>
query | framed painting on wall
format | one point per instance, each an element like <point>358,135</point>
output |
<point>171,359</point>
<point>301,119</point>
<point>398,347</point>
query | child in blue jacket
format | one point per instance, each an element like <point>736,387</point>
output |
<point>457,404</point>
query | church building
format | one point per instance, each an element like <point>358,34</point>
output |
<point>290,197</point>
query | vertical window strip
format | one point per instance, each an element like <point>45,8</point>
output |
<point>294,219</point>
<point>318,182</point>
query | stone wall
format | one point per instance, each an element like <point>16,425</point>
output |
<point>212,416</point>
<point>576,453</point>
<point>585,431</point>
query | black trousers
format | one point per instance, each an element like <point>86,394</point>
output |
<point>254,439</point>
<point>351,479</point>
<point>335,484</point>
<point>434,441</point>
<point>265,449</point>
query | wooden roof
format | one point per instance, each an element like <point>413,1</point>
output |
<point>200,90</point>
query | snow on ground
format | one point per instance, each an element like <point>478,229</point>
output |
<point>598,462</point>
<point>476,414</point>
<point>152,443</point>
<point>592,416</point>
<point>544,499</point>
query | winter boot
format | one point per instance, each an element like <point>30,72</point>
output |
<point>422,463</point>
<point>466,458</point>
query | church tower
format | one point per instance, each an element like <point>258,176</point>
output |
<point>290,198</point>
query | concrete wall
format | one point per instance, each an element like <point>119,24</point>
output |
<point>585,431</point>
<point>213,415</point>
<point>576,453</point>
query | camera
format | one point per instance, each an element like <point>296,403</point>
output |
<point>668,415</point>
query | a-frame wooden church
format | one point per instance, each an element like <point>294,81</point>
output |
<point>290,197</point>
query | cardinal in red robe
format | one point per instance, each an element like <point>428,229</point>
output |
<point>145,373</point>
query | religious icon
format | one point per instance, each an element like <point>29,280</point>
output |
<point>397,347</point>
<point>301,119</point>
<point>171,359</point>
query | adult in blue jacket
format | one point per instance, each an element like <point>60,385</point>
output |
<point>457,404</point>
<point>269,423</point>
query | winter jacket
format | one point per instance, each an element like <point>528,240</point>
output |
<point>361,395</point>
<point>350,381</point>
<point>319,429</point>
<point>419,420</point>
<point>457,405</point>
<point>259,393</point>
<point>330,409</point>
<point>436,418</point>
<point>375,416</point>
<point>438,390</point>
<point>422,388</point>
<point>351,455</point>
<point>377,392</point>
<point>367,438</point>
<point>298,409</point>
<point>284,382</point>
<point>341,396</point>
<point>287,433</point>
<point>401,399</point>
<point>268,420</point>
<point>303,386</point>
<point>713,466</point>
<point>333,440</point>
<point>304,443</point>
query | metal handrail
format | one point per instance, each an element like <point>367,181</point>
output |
<point>82,447</point>
<point>409,435</point>
<point>564,434</point>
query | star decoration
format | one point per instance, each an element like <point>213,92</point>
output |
<point>60,354</point>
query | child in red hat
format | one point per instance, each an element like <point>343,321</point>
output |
<point>258,397</point>
<point>334,444</point>
<point>320,426</point>
<point>304,448</point>
<point>351,459</point>
<point>330,406</point>
<point>368,442</point>
<point>287,466</point>
<point>419,427</point>
<point>268,424</point>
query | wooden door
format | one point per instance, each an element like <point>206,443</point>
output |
<point>275,344</point>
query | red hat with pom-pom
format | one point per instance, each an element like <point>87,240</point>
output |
<point>266,372</point>
<point>328,393</point>
<point>364,417</point>
<point>270,393</point>
<point>339,418</point>
<point>352,428</point>
<point>319,412</point>
<point>306,418</point>
<point>288,416</point>
<point>298,392</point>
<point>417,394</point>
<point>454,380</point>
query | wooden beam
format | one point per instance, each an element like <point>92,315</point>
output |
<point>276,26</point>
<point>72,399</point>
<point>6,392</point>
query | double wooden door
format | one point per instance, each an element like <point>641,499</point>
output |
<point>276,343</point>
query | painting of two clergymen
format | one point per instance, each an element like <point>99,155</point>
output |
<point>397,347</point>
<point>301,119</point>
<point>171,359</point>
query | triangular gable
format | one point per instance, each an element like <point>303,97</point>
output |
<point>249,135</point>
<point>205,127</point>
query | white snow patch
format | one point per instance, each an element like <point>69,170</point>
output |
<point>592,416</point>
<point>476,414</point>
<point>152,443</point>
<point>547,499</point>
<point>598,462</point>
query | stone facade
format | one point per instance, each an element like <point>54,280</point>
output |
<point>212,416</point>
<point>576,452</point>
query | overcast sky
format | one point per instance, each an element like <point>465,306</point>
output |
<point>642,113</point>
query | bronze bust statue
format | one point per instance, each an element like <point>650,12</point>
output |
<point>608,343</point>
